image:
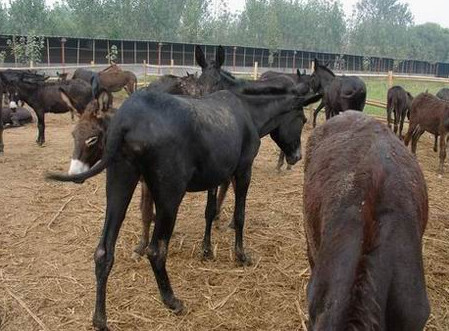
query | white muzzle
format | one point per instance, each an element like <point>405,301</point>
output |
<point>77,167</point>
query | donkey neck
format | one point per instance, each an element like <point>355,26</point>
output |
<point>326,76</point>
<point>266,111</point>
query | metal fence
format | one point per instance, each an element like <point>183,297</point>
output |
<point>84,51</point>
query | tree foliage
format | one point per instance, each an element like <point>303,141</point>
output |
<point>377,27</point>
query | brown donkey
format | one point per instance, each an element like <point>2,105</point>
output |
<point>430,114</point>
<point>364,243</point>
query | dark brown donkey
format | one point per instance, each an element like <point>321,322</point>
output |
<point>364,244</point>
<point>430,114</point>
<point>399,102</point>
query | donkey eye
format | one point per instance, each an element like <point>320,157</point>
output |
<point>91,141</point>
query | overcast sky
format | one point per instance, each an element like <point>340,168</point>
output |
<point>423,10</point>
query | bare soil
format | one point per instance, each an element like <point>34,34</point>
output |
<point>49,232</point>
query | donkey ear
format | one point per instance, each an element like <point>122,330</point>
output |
<point>316,63</point>
<point>219,57</point>
<point>199,57</point>
<point>298,72</point>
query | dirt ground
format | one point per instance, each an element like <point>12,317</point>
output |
<point>49,232</point>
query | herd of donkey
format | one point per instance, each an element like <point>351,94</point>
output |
<point>189,134</point>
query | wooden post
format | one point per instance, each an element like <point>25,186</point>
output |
<point>145,72</point>
<point>63,41</point>
<point>78,53</point>
<point>390,78</point>
<point>93,50</point>
<point>244,57</point>
<point>148,52</point>
<point>172,64</point>
<point>48,52</point>
<point>121,52</point>
<point>256,64</point>
<point>159,58</point>
<point>294,62</point>
<point>234,57</point>
<point>183,54</point>
<point>135,52</point>
<point>109,52</point>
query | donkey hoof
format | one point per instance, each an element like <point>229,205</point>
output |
<point>244,260</point>
<point>176,306</point>
<point>139,251</point>
<point>208,255</point>
<point>100,324</point>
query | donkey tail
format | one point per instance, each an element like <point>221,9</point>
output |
<point>113,143</point>
<point>95,82</point>
<point>79,178</point>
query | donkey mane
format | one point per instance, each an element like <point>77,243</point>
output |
<point>433,100</point>
<point>322,67</point>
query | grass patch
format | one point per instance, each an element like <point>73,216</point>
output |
<point>377,89</point>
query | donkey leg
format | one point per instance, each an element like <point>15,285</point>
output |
<point>146,209</point>
<point>40,127</point>
<point>166,210</point>
<point>242,181</point>
<point>316,112</point>
<point>280,161</point>
<point>442,153</point>
<point>435,144</point>
<point>2,146</point>
<point>223,189</point>
<point>389,110</point>
<point>121,181</point>
<point>232,223</point>
<point>416,135</point>
<point>211,211</point>
<point>396,120</point>
<point>409,134</point>
<point>401,125</point>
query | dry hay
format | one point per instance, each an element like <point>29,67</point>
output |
<point>49,232</point>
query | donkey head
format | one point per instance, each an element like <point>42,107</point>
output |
<point>210,79</point>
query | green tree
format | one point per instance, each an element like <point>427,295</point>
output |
<point>3,19</point>
<point>429,42</point>
<point>27,49</point>
<point>27,15</point>
<point>61,21</point>
<point>89,17</point>
<point>195,17</point>
<point>381,27</point>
